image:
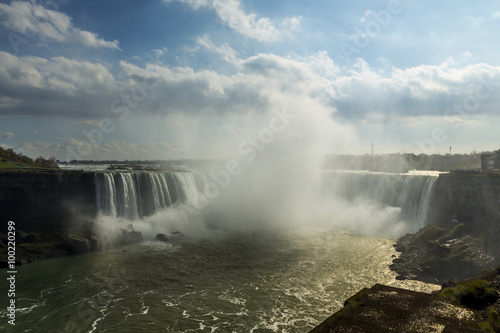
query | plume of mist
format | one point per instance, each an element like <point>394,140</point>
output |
<point>279,187</point>
<point>278,157</point>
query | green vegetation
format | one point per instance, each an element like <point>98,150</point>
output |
<point>479,295</point>
<point>474,294</point>
<point>10,160</point>
<point>456,231</point>
<point>492,322</point>
<point>430,232</point>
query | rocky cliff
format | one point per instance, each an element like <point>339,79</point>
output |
<point>460,241</point>
<point>462,237</point>
<point>469,197</point>
<point>54,212</point>
<point>43,201</point>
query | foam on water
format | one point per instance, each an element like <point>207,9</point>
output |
<point>281,282</point>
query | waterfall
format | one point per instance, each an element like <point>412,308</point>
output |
<point>139,194</point>
<point>411,192</point>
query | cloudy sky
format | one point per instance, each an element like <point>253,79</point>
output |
<point>161,79</point>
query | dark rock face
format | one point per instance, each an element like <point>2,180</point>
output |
<point>42,202</point>
<point>463,237</point>
<point>31,247</point>
<point>466,197</point>
<point>52,212</point>
<point>439,253</point>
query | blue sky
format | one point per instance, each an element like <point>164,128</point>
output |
<point>161,79</point>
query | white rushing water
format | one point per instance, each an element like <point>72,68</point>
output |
<point>398,202</point>
<point>280,281</point>
<point>231,273</point>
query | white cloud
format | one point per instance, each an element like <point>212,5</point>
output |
<point>39,148</point>
<point>232,14</point>
<point>158,53</point>
<point>55,86</point>
<point>459,121</point>
<point>31,20</point>
<point>496,14</point>
<point>7,136</point>
<point>69,88</point>
<point>475,21</point>
<point>419,90</point>
<point>225,51</point>
<point>112,149</point>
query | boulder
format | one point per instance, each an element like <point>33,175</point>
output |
<point>126,237</point>
<point>174,236</point>
<point>162,237</point>
<point>25,237</point>
<point>77,244</point>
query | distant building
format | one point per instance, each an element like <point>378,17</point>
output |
<point>490,162</point>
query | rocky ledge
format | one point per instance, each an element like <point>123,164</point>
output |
<point>32,247</point>
<point>453,251</point>
<point>471,306</point>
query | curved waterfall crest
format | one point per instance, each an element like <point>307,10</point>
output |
<point>410,192</point>
<point>137,194</point>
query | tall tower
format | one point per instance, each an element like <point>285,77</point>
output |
<point>373,150</point>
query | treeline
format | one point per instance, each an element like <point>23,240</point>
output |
<point>9,155</point>
<point>188,162</point>
<point>403,162</point>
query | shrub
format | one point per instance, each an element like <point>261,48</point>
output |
<point>429,233</point>
<point>475,294</point>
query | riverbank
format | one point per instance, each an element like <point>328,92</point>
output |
<point>32,247</point>
<point>53,212</point>
<point>462,237</point>
<point>460,244</point>
<point>470,306</point>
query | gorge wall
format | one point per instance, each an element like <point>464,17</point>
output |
<point>43,202</point>
<point>468,197</point>
<point>462,232</point>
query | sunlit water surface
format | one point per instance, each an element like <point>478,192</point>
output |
<point>282,281</point>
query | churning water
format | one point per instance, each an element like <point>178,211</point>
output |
<point>280,281</point>
<point>282,278</point>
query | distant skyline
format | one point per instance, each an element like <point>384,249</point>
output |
<point>173,79</point>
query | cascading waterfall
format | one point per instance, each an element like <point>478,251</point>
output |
<point>415,197</point>
<point>410,192</point>
<point>135,195</point>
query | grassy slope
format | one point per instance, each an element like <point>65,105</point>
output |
<point>6,165</point>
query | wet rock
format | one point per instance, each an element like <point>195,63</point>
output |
<point>77,244</point>
<point>439,253</point>
<point>23,237</point>
<point>162,237</point>
<point>127,237</point>
<point>33,238</point>
<point>93,242</point>
<point>174,236</point>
